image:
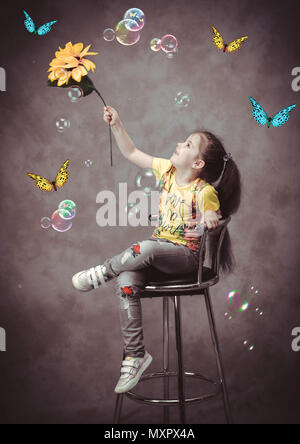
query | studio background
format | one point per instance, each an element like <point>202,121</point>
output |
<point>63,347</point>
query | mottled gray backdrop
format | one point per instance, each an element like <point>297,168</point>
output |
<point>64,348</point>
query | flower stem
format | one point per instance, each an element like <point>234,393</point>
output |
<point>95,89</point>
<point>110,137</point>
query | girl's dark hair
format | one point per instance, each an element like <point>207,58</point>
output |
<point>229,191</point>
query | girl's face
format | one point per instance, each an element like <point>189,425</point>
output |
<point>188,153</point>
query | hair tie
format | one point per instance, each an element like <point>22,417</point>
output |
<point>227,157</point>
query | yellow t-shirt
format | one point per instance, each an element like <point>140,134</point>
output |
<point>180,208</point>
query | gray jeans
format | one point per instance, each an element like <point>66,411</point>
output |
<point>133,268</point>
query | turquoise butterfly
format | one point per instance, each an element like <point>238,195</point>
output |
<point>262,118</point>
<point>42,30</point>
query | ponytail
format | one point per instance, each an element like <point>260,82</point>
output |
<point>229,192</point>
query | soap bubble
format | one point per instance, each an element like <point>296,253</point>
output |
<point>129,206</point>
<point>60,72</point>
<point>228,316</point>
<point>60,224</point>
<point>124,35</point>
<point>62,124</point>
<point>45,222</point>
<point>253,291</point>
<point>146,180</point>
<point>237,301</point>
<point>88,163</point>
<point>109,34</point>
<point>75,93</point>
<point>65,213</point>
<point>133,211</point>
<point>258,311</point>
<point>155,44</point>
<point>171,55</point>
<point>250,347</point>
<point>169,43</point>
<point>136,16</point>
<point>70,206</point>
<point>182,100</point>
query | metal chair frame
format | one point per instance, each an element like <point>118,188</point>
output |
<point>174,291</point>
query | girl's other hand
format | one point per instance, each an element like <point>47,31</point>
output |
<point>111,116</point>
<point>219,214</point>
<point>211,219</point>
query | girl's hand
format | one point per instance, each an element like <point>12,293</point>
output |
<point>111,116</point>
<point>211,219</point>
<point>219,214</point>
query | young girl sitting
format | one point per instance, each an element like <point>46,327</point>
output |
<point>188,200</point>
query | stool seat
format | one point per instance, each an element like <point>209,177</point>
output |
<point>166,279</point>
<point>165,284</point>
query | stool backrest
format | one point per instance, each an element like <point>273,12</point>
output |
<point>214,256</point>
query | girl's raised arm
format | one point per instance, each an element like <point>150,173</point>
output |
<point>124,142</point>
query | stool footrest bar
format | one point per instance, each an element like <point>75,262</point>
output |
<point>170,402</point>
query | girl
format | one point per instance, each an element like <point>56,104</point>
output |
<point>187,201</point>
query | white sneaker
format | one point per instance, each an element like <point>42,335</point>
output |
<point>86,280</point>
<point>131,372</point>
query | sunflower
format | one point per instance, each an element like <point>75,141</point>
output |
<point>67,69</point>
<point>70,62</point>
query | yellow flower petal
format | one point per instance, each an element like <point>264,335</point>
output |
<point>62,76</point>
<point>69,59</point>
<point>91,53</point>
<point>88,64</point>
<point>83,53</point>
<point>58,54</point>
<point>56,62</point>
<point>77,74</point>
<point>61,81</point>
<point>52,76</point>
<point>68,76</point>
<point>76,50</point>
<point>72,62</point>
<point>53,61</point>
<point>83,70</point>
<point>67,51</point>
<point>68,46</point>
<point>60,72</point>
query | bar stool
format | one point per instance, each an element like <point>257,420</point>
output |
<point>174,287</point>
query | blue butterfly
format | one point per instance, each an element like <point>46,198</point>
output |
<point>42,30</point>
<point>262,118</point>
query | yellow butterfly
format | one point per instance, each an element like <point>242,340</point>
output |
<point>60,180</point>
<point>231,47</point>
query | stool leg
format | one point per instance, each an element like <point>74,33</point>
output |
<point>179,357</point>
<point>118,408</point>
<point>213,330</point>
<point>166,355</point>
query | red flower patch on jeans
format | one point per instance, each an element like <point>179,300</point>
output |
<point>136,250</point>
<point>193,245</point>
<point>126,291</point>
